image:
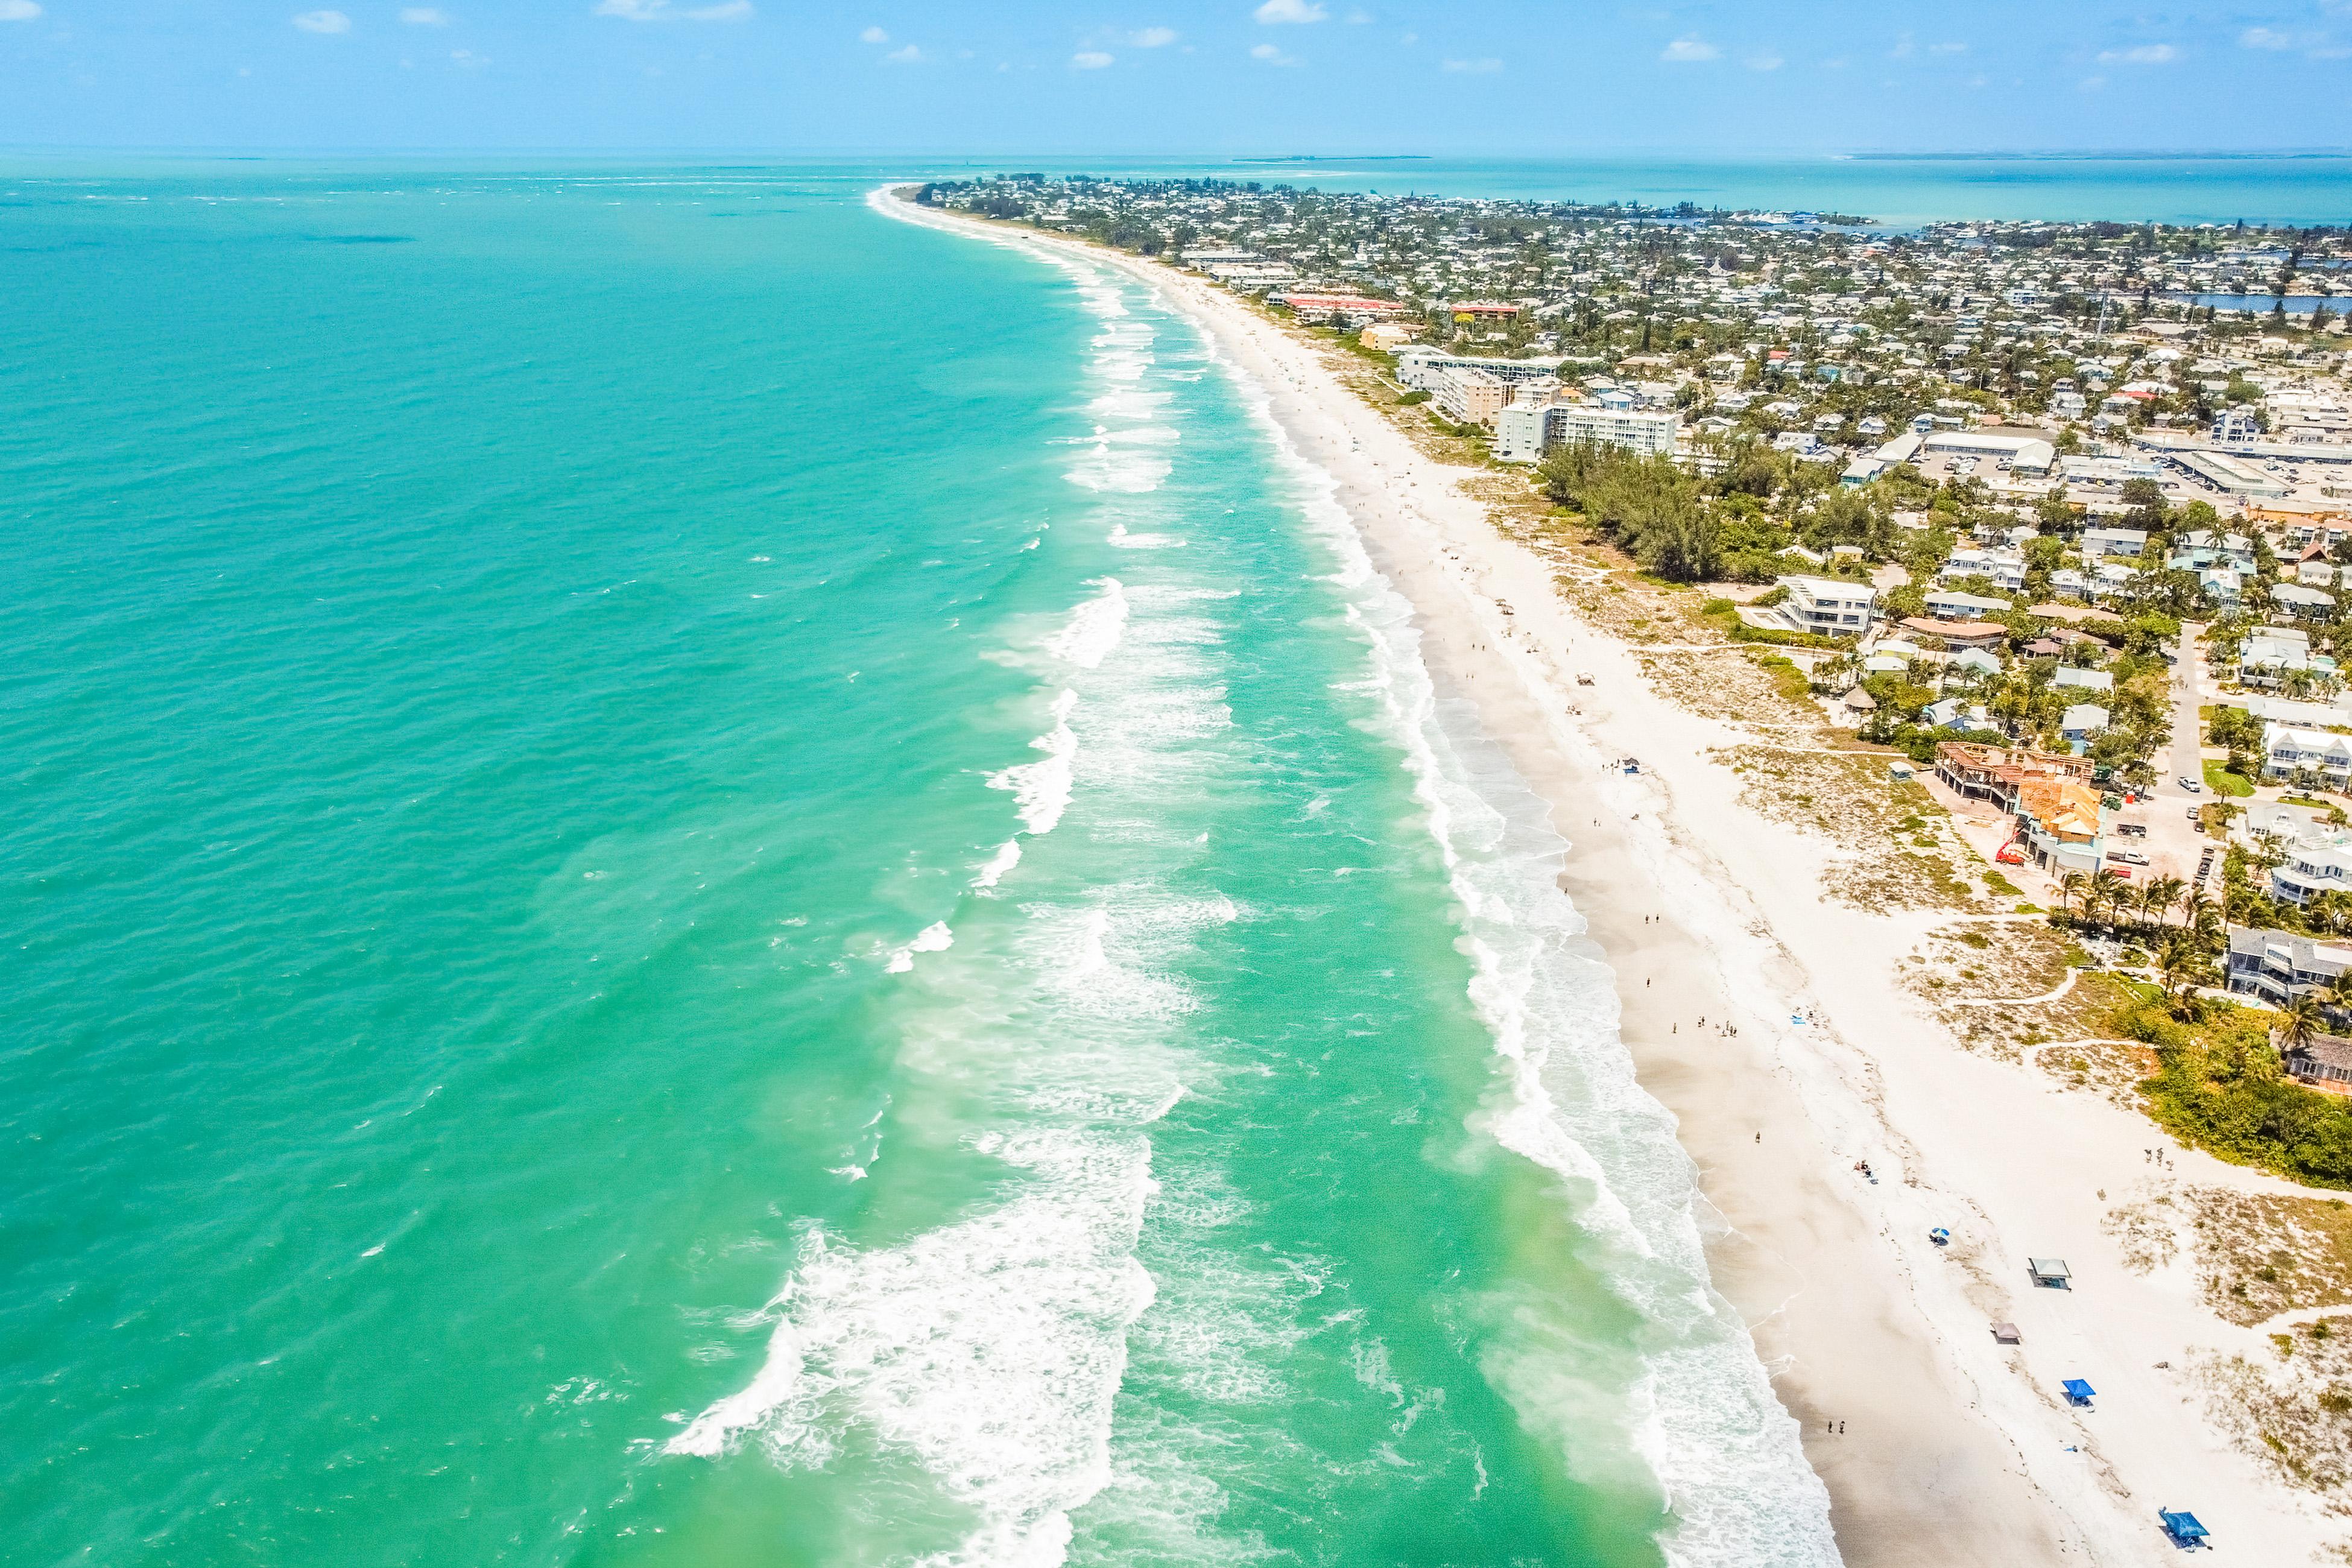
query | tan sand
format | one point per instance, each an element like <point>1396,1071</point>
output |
<point>1953,1450</point>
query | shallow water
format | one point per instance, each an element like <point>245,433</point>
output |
<point>702,877</point>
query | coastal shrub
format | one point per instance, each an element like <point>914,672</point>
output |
<point>1413,400</point>
<point>1646,505</point>
<point>1791,682</point>
<point>1740,631</point>
<point>2274,1124</point>
<point>1718,607</point>
<point>2220,1086</point>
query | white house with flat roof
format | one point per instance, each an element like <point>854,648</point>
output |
<point>1826,607</point>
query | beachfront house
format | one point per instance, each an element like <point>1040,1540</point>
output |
<point>1827,607</point>
<point>2318,861</point>
<point>2282,966</point>
<point>2058,811</point>
<point>2060,825</point>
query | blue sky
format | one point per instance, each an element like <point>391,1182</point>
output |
<point>1471,77</point>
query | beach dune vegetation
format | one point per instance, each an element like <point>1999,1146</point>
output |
<point>1647,506</point>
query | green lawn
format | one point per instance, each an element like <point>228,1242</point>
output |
<point>2222,781</point>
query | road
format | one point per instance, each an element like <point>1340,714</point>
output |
<point>2188,733</point>
<point>2174,846</point>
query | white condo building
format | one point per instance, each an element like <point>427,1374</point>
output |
<point>1524,432</point>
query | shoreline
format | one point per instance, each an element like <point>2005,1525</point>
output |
<point>1954,1450</point>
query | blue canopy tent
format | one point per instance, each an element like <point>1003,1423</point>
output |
<point>2182,1526</point>
<point>2077,1391</point>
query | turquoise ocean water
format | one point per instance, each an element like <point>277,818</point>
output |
<point>695,877</point>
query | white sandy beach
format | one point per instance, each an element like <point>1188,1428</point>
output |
<point>1953,1449</point>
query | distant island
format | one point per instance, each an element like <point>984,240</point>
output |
<point>1320,158</point>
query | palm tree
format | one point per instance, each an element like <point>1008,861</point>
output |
<point>2070,888</point>
<point>2177,972</point>
<point>2301,1021</point>
<point>2107,892</point>
<point>2194,905</point>
<point>2159,897</point>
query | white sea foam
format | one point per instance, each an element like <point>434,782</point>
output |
<point>1041,790</point>
<point>933,938</point>
<point>1707,1423</point>
<point>1007,855</point>
<point>1093,629</point>
<point>1124,540</point>
<point>992,1347</point>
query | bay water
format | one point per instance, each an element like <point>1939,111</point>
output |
<point>698,876</point>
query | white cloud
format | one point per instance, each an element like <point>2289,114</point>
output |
<point>2311,46</point>
<point>1904,48</point>
<point>467,59</point>
<point>1767,61</point>
<point>424,16</point>
<point>1274,11</point>
<point>661,11</point>
<point>2140,55</point>
<point>1271,54</point>
<point>1948,48</point>
<point>19,10</point>
<point>1475,67</point>
<point>2092,83</point>
<point>1089,60</point>
<point>1152,37</point>
<point>907,55</point>
<point>323,22</point>
<point>1360,18</point>
<point>874,36</point>
<point>1688,48</point>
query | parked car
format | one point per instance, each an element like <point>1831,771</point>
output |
<point>2192,786</point>
<point>2127,857</point>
